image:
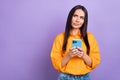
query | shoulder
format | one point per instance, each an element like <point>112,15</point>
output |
<point>59,36</point>
<point>91,36</point>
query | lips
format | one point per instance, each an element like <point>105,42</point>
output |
<point>76,24</point>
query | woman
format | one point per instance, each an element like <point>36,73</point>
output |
<point>75,63</point>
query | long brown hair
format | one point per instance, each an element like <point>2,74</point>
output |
<point>83,29</point>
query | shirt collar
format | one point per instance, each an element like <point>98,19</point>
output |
<point>78,34</point>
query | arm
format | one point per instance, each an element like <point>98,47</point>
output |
<point>81,54</point>
<point>56,53</point>
<point>71,54</point>
<point>93,59</point>
<point>87,60</point>
<point>65,60</point>
<point>94,51</point>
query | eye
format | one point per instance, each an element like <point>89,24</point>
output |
<point>81,17</point>
<point>75,15</point>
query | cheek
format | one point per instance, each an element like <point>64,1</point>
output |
<point>73,19</point>
<point>82,21</point>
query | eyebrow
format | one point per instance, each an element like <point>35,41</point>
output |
<point>77,15</point>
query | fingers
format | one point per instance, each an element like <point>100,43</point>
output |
<point>76,52</point>
<point>80,54</point>
<point>80,49</point>
<point>73,52</point>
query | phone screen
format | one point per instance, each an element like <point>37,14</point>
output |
<point>76,43</point>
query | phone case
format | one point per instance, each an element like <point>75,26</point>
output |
<point>76,43</point>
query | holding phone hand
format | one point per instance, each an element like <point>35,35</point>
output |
<point>76,52</point>
<point>80,52</point>
<point>72,52</point>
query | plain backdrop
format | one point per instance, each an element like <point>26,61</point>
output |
<point>28,28</point>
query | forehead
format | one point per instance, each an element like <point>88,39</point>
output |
<point>79,12</point>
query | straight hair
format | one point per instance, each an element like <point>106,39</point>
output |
<point>83,28</point>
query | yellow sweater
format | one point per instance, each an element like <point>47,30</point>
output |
<point>75,66</point>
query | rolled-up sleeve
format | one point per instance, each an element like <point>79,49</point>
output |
<point>94,52</point>
<point>56,53</point>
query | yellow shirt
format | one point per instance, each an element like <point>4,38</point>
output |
<point>75,66</point>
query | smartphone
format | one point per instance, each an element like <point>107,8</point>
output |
<point>76,43</point>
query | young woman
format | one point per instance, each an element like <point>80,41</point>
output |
<point>75,63</point>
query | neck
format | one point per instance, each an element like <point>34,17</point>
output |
<point>74,31</point>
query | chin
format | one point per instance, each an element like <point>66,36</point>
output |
<point>76,27</point>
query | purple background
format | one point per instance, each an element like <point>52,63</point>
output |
<point>28,28</point>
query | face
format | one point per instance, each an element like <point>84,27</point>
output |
<point>78,19</point>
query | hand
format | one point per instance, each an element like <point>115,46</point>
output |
<point>80,52</point>
<point>72,52</point>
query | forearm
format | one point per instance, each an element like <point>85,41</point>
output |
<point>87,60</point>
<point>65,60</point>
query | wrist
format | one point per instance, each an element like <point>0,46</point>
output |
<point>83,55</point>
<point>68,56</point>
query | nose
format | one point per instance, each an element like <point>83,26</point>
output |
<point>78,19</point>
